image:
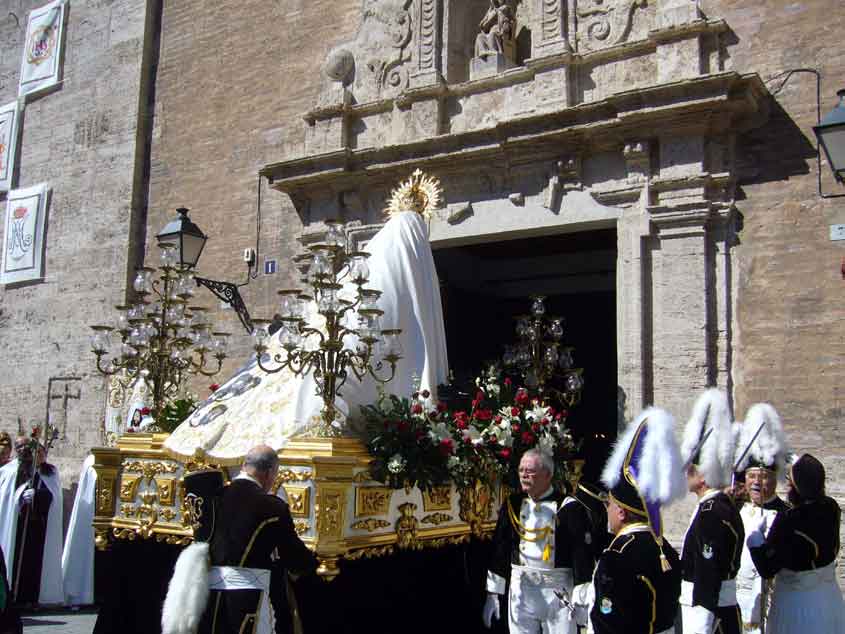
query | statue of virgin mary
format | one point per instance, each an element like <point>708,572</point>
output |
<point>255,407</point>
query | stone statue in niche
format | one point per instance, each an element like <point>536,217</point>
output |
<point>495,49</point>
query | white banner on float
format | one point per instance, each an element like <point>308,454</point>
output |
<point>9,132</point>
<point>23,235</point>
<point>41,67</point>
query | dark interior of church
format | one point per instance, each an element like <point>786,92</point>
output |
<point>485,286</point>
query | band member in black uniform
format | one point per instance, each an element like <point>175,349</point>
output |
<point>254,530</point>
<point>761,456</point>
<point>638,578</point>
<point>801,549</point>
<point>542,545</point>
<point>595,499</point>
<point>713,542</point>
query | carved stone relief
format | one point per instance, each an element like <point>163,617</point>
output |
<point>375,64</point>
<point>603,23</point>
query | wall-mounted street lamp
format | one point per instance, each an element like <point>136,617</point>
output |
<point>189,241</point>
<point>830,133</point>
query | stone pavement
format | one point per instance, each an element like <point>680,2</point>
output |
<point>63,622</point>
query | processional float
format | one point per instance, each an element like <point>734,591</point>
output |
<point>329,346</point>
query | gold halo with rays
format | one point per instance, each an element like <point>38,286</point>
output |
<point>420,193</point>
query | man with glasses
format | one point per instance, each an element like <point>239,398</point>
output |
<point>542,547</point>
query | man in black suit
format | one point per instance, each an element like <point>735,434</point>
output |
<point>254,531</point>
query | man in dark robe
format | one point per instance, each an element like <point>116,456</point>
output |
<point>254,531</point>
<point>31,531</point>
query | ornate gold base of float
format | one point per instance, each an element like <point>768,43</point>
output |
<point>338,511</point>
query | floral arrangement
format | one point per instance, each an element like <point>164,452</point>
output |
<point>416,442</point>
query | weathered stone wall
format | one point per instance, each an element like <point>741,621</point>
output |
<point>83,140</point>
<point>788,343</point>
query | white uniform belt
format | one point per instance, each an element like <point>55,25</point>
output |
<point>237,578</point>
<point>542,577</point>
<point>805,579</point>
<point>727,593</point>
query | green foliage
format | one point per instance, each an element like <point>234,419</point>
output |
<point>174,413</point>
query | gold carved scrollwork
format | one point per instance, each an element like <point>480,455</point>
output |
<point>370,524</point>
<point>174,539</point>
<point>330,512</point>
<point>372,501</point>
<point>437,519</point>
<point>299,500</point>
<point>301,527</point>
<point>150,469</point>
<point>127,510</point>
<point>105,496</point>
<point>289,475</point>
<point>101,538</point>
<point>373,551</point>
<point>437,499</point>
<point>166,491</point>
<point>476,505</point>
<point>440,542</point>
<point>361,477</point>
<point>128,487</point>
<point>167,514</point>
<point>406,527</point>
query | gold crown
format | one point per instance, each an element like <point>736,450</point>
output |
<point>420,193</point>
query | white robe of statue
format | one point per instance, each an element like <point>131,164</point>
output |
<point>78,554</point>
<point>51,570</point>
<point>254,407</point>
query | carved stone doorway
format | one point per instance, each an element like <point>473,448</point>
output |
<point>485,285</point>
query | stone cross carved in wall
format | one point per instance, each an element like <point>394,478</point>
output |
<point>497,29</point>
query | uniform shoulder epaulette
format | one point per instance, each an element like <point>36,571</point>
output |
<point>708,505</point>
<point>620,543</point>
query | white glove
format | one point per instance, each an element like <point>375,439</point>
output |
<point>491,610</point>
<point>757,537</point>
<point>26,496</point>
<point>703,621</point>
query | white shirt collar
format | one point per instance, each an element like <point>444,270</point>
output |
<point>245,476</point>
<point>547,493</point>
<point>710,494</point>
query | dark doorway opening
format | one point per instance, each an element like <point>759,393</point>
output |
<point>485,285</point>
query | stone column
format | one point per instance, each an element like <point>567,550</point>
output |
<point>429,28</point>
<point>550,28</point>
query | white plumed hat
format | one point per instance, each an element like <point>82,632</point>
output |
<point>708,439</point>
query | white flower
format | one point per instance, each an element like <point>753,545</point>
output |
<point>473,434</point>
<point>546,443</point>
<point>439,431</point>
<point>493,389</point>
<point>478,381</point>
<point>396,464</point>
<point>453,462</point>
<point>537,413</point>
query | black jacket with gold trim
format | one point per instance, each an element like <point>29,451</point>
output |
<point>633,594</point>
<point>801,538</point>
<point>572,537</point>
<point>253,530</point>
<point>712,549</point>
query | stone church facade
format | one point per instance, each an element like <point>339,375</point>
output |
<point>652,118</point>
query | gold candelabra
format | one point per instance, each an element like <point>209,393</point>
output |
<point>162,339</point>
<point>352,340</point>
<point>539,356</point>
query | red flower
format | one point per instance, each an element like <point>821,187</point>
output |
<point>461,416</point>
<point>484,414</point>
<point>476,403</point>
<point>527,438</point>
<point>446,446</point>
<point>441,406</point>
<point>467,440</point>
<point>535,427</point>
<point>505,453</point>
<point>416,408</point>
<point>479,395</point>
<point>214,387</point>
<point>514,411</point>
<point>425,393</point>
<point>497,419</point>
<point>522,397</point>
<point>508,381</point>
<point>462,423</point>
<point>145,411</point>
<point>493,438</point>
<point>544,422</point>
<point>515,428</point>
<point>403,425</point>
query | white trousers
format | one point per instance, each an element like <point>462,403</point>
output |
<point>540,601</point>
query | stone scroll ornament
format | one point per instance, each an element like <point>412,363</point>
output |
<point>607,22</point>
<point>23,235</point>
<point>41,66</point>
<point>9,132</point>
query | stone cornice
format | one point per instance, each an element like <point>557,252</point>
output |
<point>707,105</point>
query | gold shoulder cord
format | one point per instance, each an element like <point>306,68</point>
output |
<point>540,534</point>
